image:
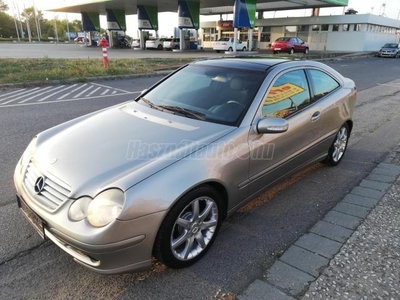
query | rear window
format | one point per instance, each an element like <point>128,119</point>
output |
<point>223,40</point>
<point>283,39</point>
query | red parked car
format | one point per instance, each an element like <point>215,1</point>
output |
<point>290,45</point>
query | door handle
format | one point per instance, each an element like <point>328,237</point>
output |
<point>315,116</point>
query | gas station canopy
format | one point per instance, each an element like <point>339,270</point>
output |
<point>207,7</point>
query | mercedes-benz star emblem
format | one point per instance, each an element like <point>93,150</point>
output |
<point>39,185</point>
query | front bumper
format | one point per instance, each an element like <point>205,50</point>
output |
<point>387,54</point>
<point>121,246</point>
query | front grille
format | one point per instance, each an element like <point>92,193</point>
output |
<point>54,192</point>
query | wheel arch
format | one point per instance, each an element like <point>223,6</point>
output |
<point>218,187</point>
<point>350,124</point>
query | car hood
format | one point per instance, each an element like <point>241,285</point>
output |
<point>119,147</point>
<point>389,49</point>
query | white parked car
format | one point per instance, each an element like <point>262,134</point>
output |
<point>226,44</point>
<point>135,43</point>
<point>155,44</point>
<point>170,44</point>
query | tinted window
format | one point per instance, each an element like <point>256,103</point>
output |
<point>217,94</point>
<point>289,94</point>
<point>322,83</point>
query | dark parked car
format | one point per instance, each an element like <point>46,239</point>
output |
<point>159,174</point>
<point>390,50</point>
<point>290,45</point>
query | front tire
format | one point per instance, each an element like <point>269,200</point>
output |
<point>291,51</point>
<point>230,49</point>
<point>189,229</point>
<point>339,146</point>
<point>306,51</point>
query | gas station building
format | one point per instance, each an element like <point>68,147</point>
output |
<point>349,32</point>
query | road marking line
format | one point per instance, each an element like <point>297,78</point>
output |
<point>68,87</point>
<point>84,91</point>
<point>23,101</point>
<point>94,91</point>
<point>110,87</point>
<point>20,96</point>
<point>386,84</point>
<point>77,89</point>
<point>17,91</point>
<point>105,92</point>
<point>67,100</point>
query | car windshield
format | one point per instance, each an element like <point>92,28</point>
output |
<point>390,45</point>
<point>209,93</point>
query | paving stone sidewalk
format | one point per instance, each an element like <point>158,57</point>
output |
<point>340,258</point>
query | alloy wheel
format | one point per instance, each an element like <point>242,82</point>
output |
<point>339,146</point>
<point>194,228</point>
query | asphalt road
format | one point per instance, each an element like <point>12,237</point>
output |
<point>248,242</point>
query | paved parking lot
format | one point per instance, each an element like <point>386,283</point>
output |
<point>250,241</point>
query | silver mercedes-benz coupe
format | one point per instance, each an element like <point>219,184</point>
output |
<point>156,176</point>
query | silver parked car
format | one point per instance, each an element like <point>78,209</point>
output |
<point>158,175</point>
<point>390,50</point>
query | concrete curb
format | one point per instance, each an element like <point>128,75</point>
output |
<point>303,262</point>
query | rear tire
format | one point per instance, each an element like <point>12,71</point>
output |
<point>189,228</point>
<point>230,49</point>
<point>338,147</point>
<point>160,47</point>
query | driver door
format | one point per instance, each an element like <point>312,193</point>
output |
<point>276,154</point>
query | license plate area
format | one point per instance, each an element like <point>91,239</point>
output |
<point>277,49</point>
<point>32,217</point>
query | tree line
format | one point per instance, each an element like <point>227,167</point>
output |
<point>40,28</point>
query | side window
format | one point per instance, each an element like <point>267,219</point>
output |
<point>322,83</point>
<point>289,94</point>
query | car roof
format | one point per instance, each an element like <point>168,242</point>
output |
<point>254,64</point>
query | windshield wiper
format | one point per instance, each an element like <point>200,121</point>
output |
<point>184,111</point>
<point>151,104</point>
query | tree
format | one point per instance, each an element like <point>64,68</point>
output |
<point>3,6</point>
<point>7,26</point>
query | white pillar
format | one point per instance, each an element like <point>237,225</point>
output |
<point>181,40</point>
<point>235,40</point>
<point>250,40</point>
<point>141,37</point>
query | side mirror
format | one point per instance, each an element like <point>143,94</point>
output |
<point>272,125</point>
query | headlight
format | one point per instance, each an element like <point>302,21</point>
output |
<point>100,211</point>
<point>105,208</point>
<point>78,209</point>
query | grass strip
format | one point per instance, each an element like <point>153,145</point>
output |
<point>45,69</point>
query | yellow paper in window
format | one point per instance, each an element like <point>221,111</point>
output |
<point>282,92</point>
